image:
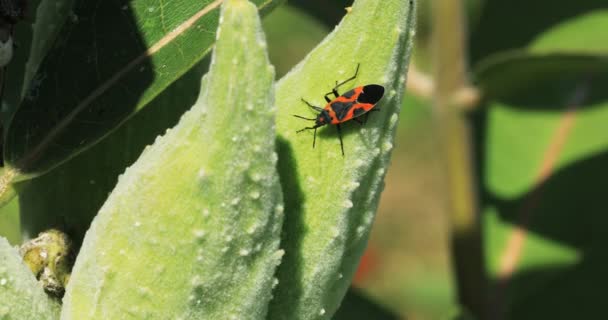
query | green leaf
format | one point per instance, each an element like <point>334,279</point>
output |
<point>519,76</point>
<point>9,221</point>
<point>20,294</point>
<point>109,61</point>
<point>544,154</point>
<point>330,199</point>
<point>192,228</point>
<point>508,25</point>
<point>584,34</point>
<point>35,36</point>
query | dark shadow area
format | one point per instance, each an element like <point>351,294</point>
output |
<point>48,201</point>
<point>513,24</point>
<point>546,83</point>
<point>289,272</point>
<point>550,292</point>
<point>328,12</point>
<point>569,208</point>
<point>356,306</point>
<point>97,65</point>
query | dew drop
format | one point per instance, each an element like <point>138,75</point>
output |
<point>249,106</point>
<point>137,224</point>
<point>3,281</point>
<point>340,276</point>
<point>235,201</point>
<point>279,209</point>
<point>322,311</point>
<point>252,229</point>
<point>143,291</point>
<point>347,204</point>
<point>205,212</point>
<point>393,120</point>
<point>202,173</point>
<point>254,195</point>
<point>387,146</point>
<point>360,230</point>
<point>274,158</point>
<point>244,252</point>
<point>335,232</point>
<point>255,176</point>
<point>199,233</point>
<point>229,238</point>
<point>122,252</point>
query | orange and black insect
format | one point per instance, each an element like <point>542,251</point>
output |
<point>348,106</point>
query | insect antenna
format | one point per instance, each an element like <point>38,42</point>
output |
<point>297,116</point>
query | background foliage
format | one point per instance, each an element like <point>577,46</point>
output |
<point>539,138</point>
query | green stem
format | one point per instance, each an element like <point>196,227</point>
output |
<point>454,133</point>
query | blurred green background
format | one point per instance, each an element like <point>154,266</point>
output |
<point>539,132</point>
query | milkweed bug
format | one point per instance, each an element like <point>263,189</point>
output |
<point>348,106</point>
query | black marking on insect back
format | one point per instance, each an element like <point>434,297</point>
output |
<point>358,111</point>
<point>349,94</point>
<point>323,118</point>
<point>372,93</point>
<point>341,108</point>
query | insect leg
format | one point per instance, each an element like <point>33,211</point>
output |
<point>340,136</point>
<point>347,80</point>
<point>307,128</point>
<point>334,91</point>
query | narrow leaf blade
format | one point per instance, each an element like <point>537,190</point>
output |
<point>110,60</point>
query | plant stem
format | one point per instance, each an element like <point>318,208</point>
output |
<point>456,144</point>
